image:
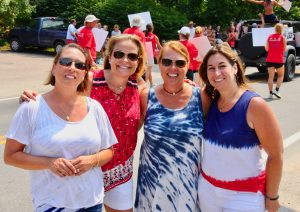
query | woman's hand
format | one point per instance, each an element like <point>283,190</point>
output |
<point>28,95</point>
<point>83,163</point>
<point>272,205</point>
<point>62,167</point>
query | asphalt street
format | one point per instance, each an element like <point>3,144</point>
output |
<point>19,71</point>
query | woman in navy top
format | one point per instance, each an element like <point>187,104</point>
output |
<point>238,125</point>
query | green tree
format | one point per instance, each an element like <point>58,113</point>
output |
<point>12,11</point>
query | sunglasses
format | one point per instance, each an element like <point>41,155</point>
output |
<point>65,61</point>
<point>130,56</point>
<point>168,62</point>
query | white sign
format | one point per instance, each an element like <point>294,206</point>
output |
<point>288,33</point>
<point>286,4</point>
<point>297,39</point>
<point>203,45</point>
<point>146,19</point>
<point>149,51</point>
<point>100,37</point>
<point>260,35</point>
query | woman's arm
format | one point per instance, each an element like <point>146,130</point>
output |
<point>259,116</point>
<point>143,105</point>
<point>14,155</point>
<point>206,102</point>
<point>88,89</point>
<point>159,46</point>
<point>278,4</point>
<point>255,2</point>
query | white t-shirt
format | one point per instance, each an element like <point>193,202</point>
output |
<point>114,33</point>
<point>45,134</point>
<point>71,29</point>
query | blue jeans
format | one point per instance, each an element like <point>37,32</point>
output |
<point>95,208</point>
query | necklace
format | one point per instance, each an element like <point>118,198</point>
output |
<point>172,93</point>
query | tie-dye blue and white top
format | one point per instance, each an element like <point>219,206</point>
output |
<point>170,156</point>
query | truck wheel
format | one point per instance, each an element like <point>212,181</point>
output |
<point>58,46</point>
<point>262,69</point>
<point>16,45</point>
<point>289,69</point>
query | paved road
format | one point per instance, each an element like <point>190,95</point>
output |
<point>29,70</point>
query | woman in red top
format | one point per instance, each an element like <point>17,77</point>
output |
<point>275,46</point>
<point>151,37</point>
<point>184,34</point>
<point>231,37</point>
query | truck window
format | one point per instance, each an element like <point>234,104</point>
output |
<point>52,24</point>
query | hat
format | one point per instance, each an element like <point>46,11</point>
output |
<point>191,23</point>
<point>184,31</point>
<point>91,18</point>
<point>137,21</point>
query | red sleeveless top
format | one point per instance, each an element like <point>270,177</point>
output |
<point>123,111</point>
<point>276,48</point>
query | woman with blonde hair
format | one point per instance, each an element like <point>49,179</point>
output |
<point>170,154</point>
<point>275,46</point>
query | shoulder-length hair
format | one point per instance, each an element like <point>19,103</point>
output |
<point>141,51</point>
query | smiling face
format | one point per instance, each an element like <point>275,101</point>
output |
<point>220,72</point>
<point>173,73</point>
<point>124,67</point>
<point>67,74</point>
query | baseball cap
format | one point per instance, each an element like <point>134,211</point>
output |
<point>137,21</point>
<point>184,30</point>
<point>91,18</point>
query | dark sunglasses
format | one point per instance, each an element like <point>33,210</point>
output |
<point>65,61</point>
<point>130,56</point>
<point>179,63</point>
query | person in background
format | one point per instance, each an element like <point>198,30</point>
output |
<point>218,34</point>
<point>85,38</point>
<point>269,15</point>
<point>63,138</point>
<point>211,35</point>
<point>170,153</point>
<point>197,79</point>
<point>151,37</point>
<point>191,25</point>
<point>275,46</point>
<point>184,34</point>
<point>232,37</point>
<point>239,124</point>
<point>136,23</point>
<point>116,30</point>
<point>71,33</point>
<point>105,27</point>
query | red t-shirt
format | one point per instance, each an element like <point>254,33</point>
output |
<point>193,53</point>
<point>136,31</point>
<point>276,48</point>
<point>85,39</point>
<point>123,111</point>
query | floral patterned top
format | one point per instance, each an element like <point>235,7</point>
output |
<point>123,111</point>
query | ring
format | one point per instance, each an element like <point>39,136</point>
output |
<point>78,170</point>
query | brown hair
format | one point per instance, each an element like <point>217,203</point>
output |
<point>136,40</point>
<point>225,50</point>
<point>178,47</point>
<point>83,85</point>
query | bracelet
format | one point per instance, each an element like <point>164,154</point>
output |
<point>274,198</point>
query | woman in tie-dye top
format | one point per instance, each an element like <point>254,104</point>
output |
<point>239,124</point>
<point>170,154</point>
